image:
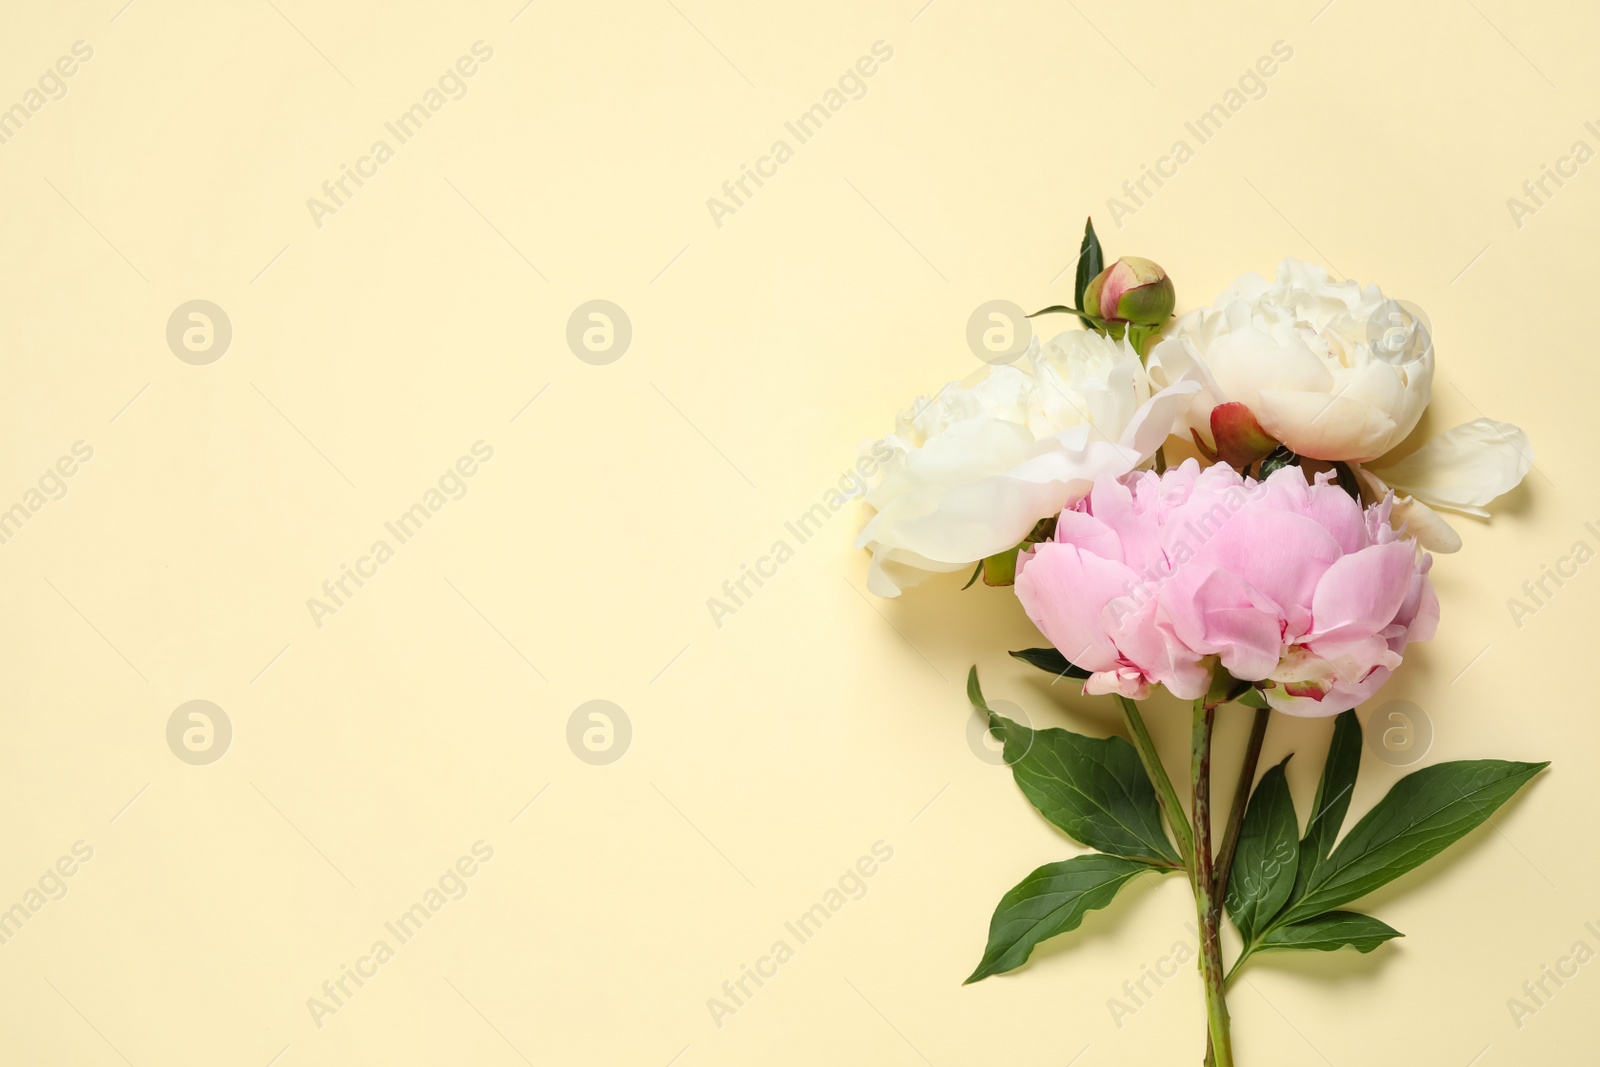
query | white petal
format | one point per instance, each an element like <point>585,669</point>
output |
<point>1464,468</point>
<point>1416,519</point>
<point>1249,361</point>
<point>1325,425</point>
<point>1154,421</point>
<point>894,570</point>
<point>1173,360</point>
<point>973,470</point>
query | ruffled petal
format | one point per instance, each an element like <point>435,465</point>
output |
<point>1216,612</point>
<point>1412,517</point>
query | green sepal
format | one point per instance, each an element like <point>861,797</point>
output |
<point>1051,660</point>
<point>1001,568</point>
<point>1091,261</point>
<point>1279,458</point>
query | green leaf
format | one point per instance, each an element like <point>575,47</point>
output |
<point>1054,309</point>
<point>1091,261</point>
<point>1048,659</point>
<point>1268,854</point>
<point>1422,815</point>
<point>975,572</point>
<point>1094,790</point>
<point>1328,931</point>
<point>1332,800</point>
<point>1050,901</point>
<point>1338,783</point>
<point>975,692</point>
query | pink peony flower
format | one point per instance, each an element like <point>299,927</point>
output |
<point>1156,579</point>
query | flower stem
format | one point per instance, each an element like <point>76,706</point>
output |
<point>1230,841</point>
<point>1241,794</point>
<point>1167,796</point>
<point>1209,914</point>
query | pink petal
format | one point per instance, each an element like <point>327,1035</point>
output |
<point>1338,512</point>
<point>1360,594</point>
<point>1215,612</point>
<point>1065,591</point>
<point>1145,637</point>
<point>1089,533</point>
<point>1281,554</point>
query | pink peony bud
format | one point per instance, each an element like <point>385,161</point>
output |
<point>1131,290</point>
<point>1156,579</point>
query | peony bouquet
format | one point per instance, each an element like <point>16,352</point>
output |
<point>1281,566</point>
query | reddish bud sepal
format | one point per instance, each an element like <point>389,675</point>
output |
<point>1239,437</point>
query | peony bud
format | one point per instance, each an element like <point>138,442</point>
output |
<point>1239,437</point>
<point>1131,290</point>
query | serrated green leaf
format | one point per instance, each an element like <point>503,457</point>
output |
<point>1050,901</point>
<point>1267,856</point>
<point>1095,790</point>
<point>1328,931</point>
<point>1048,659</point>
<point>1334,790</point>
<point>1421,816</point>
<point>1091,261</point>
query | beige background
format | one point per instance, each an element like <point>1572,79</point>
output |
<point>771,752</point>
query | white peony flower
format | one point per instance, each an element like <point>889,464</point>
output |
<point>975,468</point>
<point>1312,359</point>
<point>1339,372</point>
